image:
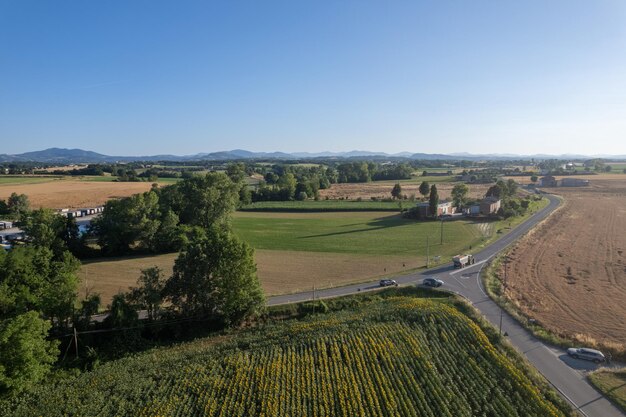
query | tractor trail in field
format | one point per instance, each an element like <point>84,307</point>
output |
<point>569,273</point>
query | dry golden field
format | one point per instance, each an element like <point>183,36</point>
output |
<point>73,193</point>
<point>280,272</point>
<point>383,189</point>
<point>570,273</point>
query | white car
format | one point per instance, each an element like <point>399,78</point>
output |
<point>587,354</point>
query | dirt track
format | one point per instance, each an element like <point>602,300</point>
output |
<point>570,273</point>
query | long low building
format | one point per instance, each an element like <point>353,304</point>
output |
<point>74,213</point>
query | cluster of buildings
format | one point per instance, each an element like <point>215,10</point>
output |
<point>486,207</point>
<point>81,212</point>
<point>550,181</point>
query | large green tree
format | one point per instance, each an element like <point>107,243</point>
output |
<point>149,292</point>
<point>215,276</point>
<point>424,188</point>
<point>18,204</point>
<point>205,200</point>
<point>46,228</point>
<point>128,222</point>
<point>26,355</point>
<point>31,278</point>
<point>396,191</point>
<point>459,194</point>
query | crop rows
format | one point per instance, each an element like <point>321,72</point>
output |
<point>405,358</point>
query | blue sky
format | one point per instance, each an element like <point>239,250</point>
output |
<point>130,77</point>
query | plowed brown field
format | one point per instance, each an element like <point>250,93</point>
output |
<point>570,273</point>
<point>73,193</point>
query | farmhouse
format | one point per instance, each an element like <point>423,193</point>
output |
<point>547,181</point>
<point>5,224</point>
<point>489,205</point>
<point>473,210</point>
<point>444,207</point>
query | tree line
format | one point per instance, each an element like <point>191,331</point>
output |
<point>213,282</point>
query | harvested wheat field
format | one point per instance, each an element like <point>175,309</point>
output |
<point>73,193</point>
<point>280,272</point>
<point>570,273</point>
<point>352,191</point>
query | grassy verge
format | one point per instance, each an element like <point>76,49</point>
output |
<point>612,383</point>
<point>325,205</point>
<point>502,227</point>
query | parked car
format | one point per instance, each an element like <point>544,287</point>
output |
<point>432,282</point>
<point>587,354</point>
<point>387,282</point>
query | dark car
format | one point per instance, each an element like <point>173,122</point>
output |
<point>387,282</point>
<point>432,282</point>
<point>587,354</point>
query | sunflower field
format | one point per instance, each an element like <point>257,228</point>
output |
<point>401,356</point>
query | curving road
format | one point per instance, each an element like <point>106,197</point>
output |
<point>565,374</point>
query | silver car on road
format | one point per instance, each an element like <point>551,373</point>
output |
<point>587,354</point>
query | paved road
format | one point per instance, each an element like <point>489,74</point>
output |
<point>565,374</point>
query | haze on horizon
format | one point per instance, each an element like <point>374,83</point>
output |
<point>157,77</point>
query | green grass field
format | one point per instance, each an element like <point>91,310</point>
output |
<point>376,233</point>
<point>399,356</point>
<point>18,179</point>
<point>612,384</point>
<point>617,167</point>
<point>96,178</point>
<point>324,205</point>
<point>109,178</point>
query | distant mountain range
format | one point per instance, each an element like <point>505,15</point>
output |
<point>76,156</point>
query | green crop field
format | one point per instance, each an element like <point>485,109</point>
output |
<point>96,178</point>
<point>376,233</point>
<point>324,205</point>
<point>19,180</point>
<point>402,356</point>
<point>109,178</point>
<point>617,167</point>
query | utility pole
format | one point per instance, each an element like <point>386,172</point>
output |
<point>76,341</point>
<point>441,231</point>
<point>427,252</point>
